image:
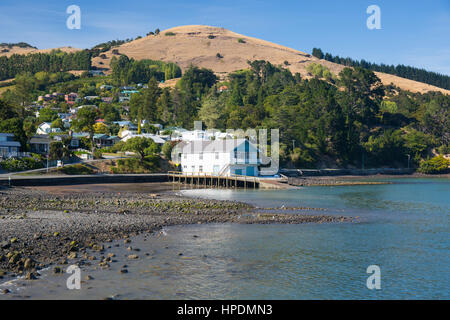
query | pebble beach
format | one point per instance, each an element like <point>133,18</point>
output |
<point>44,227</point>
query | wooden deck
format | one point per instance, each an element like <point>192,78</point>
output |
<point>209,180</point>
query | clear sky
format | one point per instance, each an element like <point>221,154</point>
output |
<point>414,33</point>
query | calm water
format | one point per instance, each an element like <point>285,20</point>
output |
<point>403,228</point>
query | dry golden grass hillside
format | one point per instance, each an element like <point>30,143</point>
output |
<point>199,45</point>
<point>19,50</point>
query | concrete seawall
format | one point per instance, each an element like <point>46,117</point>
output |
<point>28,181</point>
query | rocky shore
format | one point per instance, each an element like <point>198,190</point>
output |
<point>331,181</point>
<point>352,180</point>
<point>41,227</point>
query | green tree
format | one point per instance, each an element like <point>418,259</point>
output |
<point>58,123</point>
<point>149,101</point>
<point>47,115</point>
<point>436,165</point>
<point>25,84</point>
<point>316,52</point>
<point>85,121</point>
<point>196,81</point>
<point>212,112</point>
<point>167,149</point>
<point>417,143</point>
<point>386,148</point>
<point>436,119</point>
<point>142,146</point>
<point>6,110</point>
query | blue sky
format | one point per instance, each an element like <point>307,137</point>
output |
<point>414,33</point>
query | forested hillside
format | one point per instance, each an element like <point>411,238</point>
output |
<point>55,61</point>
<point>412,73</point>
<point>346,120</point>
<point>126,71</point>
<point>344,123</point>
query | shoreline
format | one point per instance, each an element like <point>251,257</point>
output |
<point>45,226</point>
<point>350,180</point>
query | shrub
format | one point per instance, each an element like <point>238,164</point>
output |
<point>320,71</point>
<point>167,149</point>
<point>79,153</point>
<point>14,165</point>
<point>435,165</point>
<point>117,147</point>
<point>141,146</point>
<point>98,154</point>
<point>219,56</point>
<point>240,40</point>
<point>76,169</point>
<point>170,33</point>
<point>211,36</point>
<point>444,149</point>
<point>167,132</point>
<point>134,165</point>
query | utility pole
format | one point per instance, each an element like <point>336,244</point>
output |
<point>409,157</point>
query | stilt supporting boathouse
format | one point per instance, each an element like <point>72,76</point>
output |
<point>213,181</point>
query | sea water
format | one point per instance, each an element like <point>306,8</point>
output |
<point>402,227</point>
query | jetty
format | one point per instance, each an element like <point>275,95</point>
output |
<point>188,180</point>
<point>210,180</point>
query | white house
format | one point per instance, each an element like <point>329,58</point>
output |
<point>200,135</point>
<point>46,128</point>
<point>154,137</point>
<point>8,147</point>
<point>218,157</point>
<point>128,124</point>
<point>75,110</point>
<point>196,135</point>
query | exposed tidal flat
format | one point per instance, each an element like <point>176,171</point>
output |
<point>402,227</point>
<point>58,226</point>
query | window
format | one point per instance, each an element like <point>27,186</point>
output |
<point>200,156</point>
<point>193,168</point>
<point>200,169</point>
<point>185,155</point>
<point>217,155</point>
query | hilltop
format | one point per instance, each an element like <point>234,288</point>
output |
<point>10,50</point>
<point>200,45</point>
<point>218,49</point>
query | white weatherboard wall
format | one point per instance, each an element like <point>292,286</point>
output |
<point>220,158</point>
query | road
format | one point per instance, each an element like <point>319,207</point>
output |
<point>6,175</point>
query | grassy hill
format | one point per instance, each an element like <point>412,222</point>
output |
<point>225,51</point>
